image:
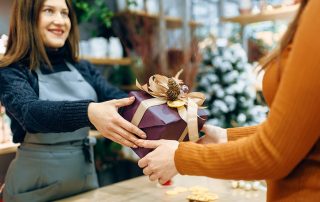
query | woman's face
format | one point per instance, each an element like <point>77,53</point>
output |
<point>54,23</point>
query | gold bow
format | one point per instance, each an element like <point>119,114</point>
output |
<point>186,103</point>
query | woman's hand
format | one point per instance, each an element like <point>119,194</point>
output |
<point>213,134</point>
<point>159,164</point>
<point>105,117</point>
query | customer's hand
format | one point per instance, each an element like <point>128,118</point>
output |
<point>159,164</point>
<point>105,117</point>
<point>213,134</point>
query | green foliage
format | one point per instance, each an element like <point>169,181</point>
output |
<point>121,75</point>
<point>106,154</point>
<point>93,11</point>
<point>131,3</point>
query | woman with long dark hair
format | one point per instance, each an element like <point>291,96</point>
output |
<point>52,100</point>
<point>285,148</point>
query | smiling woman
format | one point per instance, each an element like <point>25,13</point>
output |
<point>52,100</point>
<point>34,37</point>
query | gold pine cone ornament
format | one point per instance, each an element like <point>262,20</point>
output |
<point>174,93</point>
<point>174,90</point>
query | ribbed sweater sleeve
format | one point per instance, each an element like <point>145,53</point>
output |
<point>292,126</point>
<point>240,132</point>
<point>34,115</point>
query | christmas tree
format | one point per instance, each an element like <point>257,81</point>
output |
<point>227,80</point>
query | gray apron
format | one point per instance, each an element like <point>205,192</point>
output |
<point>50,166</point>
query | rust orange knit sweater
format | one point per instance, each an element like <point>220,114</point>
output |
<point>285,149</point>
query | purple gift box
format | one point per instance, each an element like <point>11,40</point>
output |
<point>159,122</point>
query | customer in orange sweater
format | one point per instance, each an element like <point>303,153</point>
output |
<point>285,149</point>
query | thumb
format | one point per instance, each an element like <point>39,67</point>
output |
<point>124,102</point>
<point>201,140</point>
<point>151,144</point>
<point>205,128</point>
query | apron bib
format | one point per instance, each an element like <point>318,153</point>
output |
<point>50,166</point>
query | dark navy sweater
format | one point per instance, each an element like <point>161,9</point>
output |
<point>19,93</point>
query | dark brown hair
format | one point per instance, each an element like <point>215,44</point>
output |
<point>287,38</point>
<point>25,44</point>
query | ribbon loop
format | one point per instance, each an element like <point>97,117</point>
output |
<point>157,88</point>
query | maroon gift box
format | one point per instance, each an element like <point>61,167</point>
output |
<point>159,122</point>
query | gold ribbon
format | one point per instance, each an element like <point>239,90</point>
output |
<point>142,108</point>
<point>187,104</point>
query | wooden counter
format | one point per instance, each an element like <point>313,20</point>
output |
<point>140,189</point>
<point>9,147</point>
<point>108,61</point>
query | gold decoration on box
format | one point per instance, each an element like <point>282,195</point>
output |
<point>174,90</point>
<point>175,94</point>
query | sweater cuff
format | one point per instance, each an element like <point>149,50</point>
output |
<point>77,116</point>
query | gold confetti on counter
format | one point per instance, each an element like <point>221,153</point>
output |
<point>198,194</point>
<point>203,197</point>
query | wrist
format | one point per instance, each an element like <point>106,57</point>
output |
<point>223,135</point>
<point>91,107</point>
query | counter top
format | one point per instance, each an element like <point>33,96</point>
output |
<point>140,189</point>
<point>9,147</point>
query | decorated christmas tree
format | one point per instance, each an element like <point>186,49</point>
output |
<point>227,80</point>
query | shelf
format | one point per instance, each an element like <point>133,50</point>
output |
<point>105,61</point>
<point>282,13</point>
<point>172,22</point>
<point>6,148</point>
<point>108,61</point>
